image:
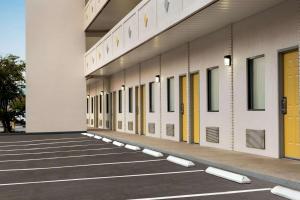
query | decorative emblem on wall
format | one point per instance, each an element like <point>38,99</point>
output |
<point>167,5</point>
<point>146,20</point>
<point>129,32</point>
<point>117,41</point>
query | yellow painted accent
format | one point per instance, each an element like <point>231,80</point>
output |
<point>143,110</point>
<point>196,107</point>
<point>291,92</point>
<point>146,20</point>
<point>183,107</point>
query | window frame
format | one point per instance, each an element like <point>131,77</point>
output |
<point>107,103</point>
<point>120,101</point>
<point>130,100</point>
<point>169,94</point>
<point>208,73</point>
<point>250,92</point>
<point>101,103</point>
<point>151,96</point>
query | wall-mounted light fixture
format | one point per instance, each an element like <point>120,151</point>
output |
<point>157,78</point>
<point>88,96</point>
<point>227,60</point>
<point>102,92</point>
<point>123,87</point>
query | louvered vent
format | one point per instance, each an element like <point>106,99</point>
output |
<point>119,124</point>
<point>130,126</point>
<point>151,128</point>
<point>107,123</point>
<point>255,138</point>
<point>212,134</point>
<point>170,129</point>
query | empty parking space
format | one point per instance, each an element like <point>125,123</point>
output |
<point>106,171</point>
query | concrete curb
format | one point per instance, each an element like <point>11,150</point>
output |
<point>284,182</point>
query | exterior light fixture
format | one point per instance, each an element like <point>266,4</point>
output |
<point>102,92</point>
<point>123,87</point>
<point>157,78</point>
<point>227,60</point>
<point>88,96</point>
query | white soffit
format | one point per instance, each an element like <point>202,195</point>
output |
<point>212,18</point>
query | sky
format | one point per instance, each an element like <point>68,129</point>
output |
<point>12,27</point>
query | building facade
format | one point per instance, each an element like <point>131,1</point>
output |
<point>219,73</point>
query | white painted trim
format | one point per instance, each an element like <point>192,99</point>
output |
<point>119,144</point>
<point>206,194</point>
<point>24,141</point>
<point>106,140</point>
<point>37,144</point>
<point>286,193</point>
<point>180,161</point>
<point>58,147</point>
<point>97,137</point>
<point>153,153</point>
<point>63,157</point>
<point>51,152</point>
<point>86,165</point>
<point>228,175</point>
<point>132,147</point>
<point>99,178</point>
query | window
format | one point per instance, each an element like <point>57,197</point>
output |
<point>107,103</point>
<point>92,104</point>
<point>213,89</point>
<point>101,100</point>
<point>120,101</point>
<point>130,100</point>
<point>87,105</point>
<point>256,83</point>
<point>170,94</point>
<point>151,96</point>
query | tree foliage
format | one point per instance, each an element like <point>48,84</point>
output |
<point>12,85</point>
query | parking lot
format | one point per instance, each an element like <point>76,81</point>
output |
<point>74,166</point>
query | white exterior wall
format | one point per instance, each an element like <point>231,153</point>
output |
<point>173,64</point>
<point>149,69</point>
<point>132,79</point>
<point>207,52</point>
<point>56,89</point>
<point>266,33</point>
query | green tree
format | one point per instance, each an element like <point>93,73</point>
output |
<point>12,85</point>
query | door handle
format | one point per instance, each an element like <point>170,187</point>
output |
<point>182,108</point>
<point>283,105</point>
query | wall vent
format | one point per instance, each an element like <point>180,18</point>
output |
<point>92,122</point>
<point>87,121</point>
<point>130,126</point>
<point>119,124</point>
<point>170,129</point>
<point>151,128</point>
<point>107,123</point>
<point>212,134</point>
<point>100,122</point>
<point>255,139</point>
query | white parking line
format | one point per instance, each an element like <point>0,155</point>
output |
<point>99,178</point>
<point>51,152</point>
<point>47,143</point>
<point>58,147</point>
<point>57,139</point>
<point>64,157</point>
<point>206,194</point>
<point>86,165</point>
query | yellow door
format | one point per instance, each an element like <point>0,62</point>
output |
<point>291,118</point>
<point>183,107</point>
<point>195,107</point>
<point>137,112</point>
<point>143,110</point>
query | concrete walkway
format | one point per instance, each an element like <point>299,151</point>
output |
<point>280,171</point>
